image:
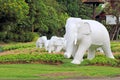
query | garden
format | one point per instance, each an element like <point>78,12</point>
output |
<point>25,61</point>
<point>23,21</point>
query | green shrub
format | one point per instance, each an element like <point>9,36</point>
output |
<point>115,46</point>
<point>2,36</point>
<point>86,62</point>
<point>1,48</point>
<point>29,58</point>
<point>26,37</point>
<point>101,60</point>
<point>85,56</point>
<point>36,36</point>
<point>8,36</point>
<point>17,46</point>
<point>22,37</point>
<point>117,56</point>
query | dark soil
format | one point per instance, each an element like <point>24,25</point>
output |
<point>97,78</point>
<point>32,62</point>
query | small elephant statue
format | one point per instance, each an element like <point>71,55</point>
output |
<point>56,44</point>
<point>82,35</point>
<point>42,42</point>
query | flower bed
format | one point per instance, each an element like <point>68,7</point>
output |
<point>32,58</point>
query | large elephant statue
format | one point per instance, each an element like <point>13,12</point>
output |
<point>56,44</point>
<point>82,35</point>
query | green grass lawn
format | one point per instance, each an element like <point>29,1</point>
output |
<point>51,72</point>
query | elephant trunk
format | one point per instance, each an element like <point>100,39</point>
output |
<point>71,40</point>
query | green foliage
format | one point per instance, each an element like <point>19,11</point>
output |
<point>1,49</point>
<point>115,46</point>
<point>101,60</point>
<point>75,8</point>
<point>117,56</point>
<point>98,60</point>
<point>45,17</point>
<point>23,37</point>
<point>17,46</point>
<point>31,58</point>
<point>109,9</point>
<point>113,9</point>
<point>13,10</point>
<point>13,13</point>
<point>36,36</point>
<point>26,37</point>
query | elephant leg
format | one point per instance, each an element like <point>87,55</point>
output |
<point>37,44</point>
<point>91,53</point>
<point>54,49</point>
<point>74,50</point>
<point>40,45</point>
<point>46,47</point>
<point>58,49</point>
<point>50,49</point>
<point>80,52</point>
<point>107,51</point>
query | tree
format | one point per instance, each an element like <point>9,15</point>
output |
<point>75,8</point>
<point>12,11</point>
<point>46,17</point>
<point>113,8</point>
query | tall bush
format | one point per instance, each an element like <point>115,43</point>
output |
<point>12,11</point>
<point>23,37</point>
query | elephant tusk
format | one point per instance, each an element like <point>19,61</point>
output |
<point>75,38</point>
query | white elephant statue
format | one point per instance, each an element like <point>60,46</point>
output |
<point>42,42</point>
<point>56,44</point>
<point>82,35</point>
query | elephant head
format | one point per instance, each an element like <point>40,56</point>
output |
<point>56,44</point>
<point>75,33</point>
<point>41,41</point>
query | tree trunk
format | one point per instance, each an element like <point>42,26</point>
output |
<point>117,35</point>
<point>118,28</point>
<point>32,28</point>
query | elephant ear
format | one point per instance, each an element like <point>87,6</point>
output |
<point>84,28</point>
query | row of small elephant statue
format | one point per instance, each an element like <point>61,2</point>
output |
<point>80,36</point>
<point>55,44</point>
